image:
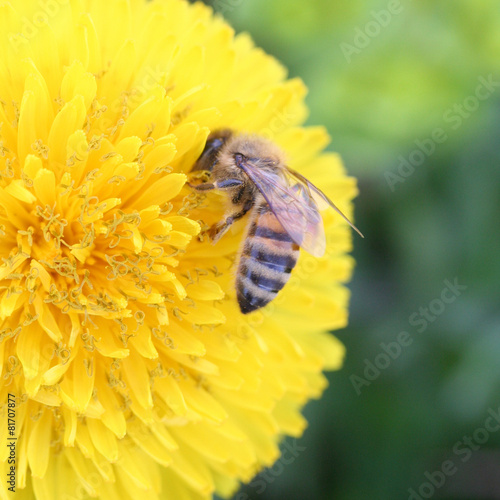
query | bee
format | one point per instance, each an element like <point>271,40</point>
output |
<point>283,206</point>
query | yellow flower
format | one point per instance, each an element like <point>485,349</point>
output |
<point>133,372</point>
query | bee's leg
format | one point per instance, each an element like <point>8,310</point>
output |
<point>225,184</point>
<point>219,229</point>
<point>206,186</point>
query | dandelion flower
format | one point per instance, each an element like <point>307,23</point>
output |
<point>134,373</point>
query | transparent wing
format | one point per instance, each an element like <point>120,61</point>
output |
<point>322,201</point>
<point>292,201</point>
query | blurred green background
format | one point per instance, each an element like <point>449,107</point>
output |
<point>389,79</point>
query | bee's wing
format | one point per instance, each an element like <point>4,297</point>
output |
<point>322,201</point>
<point>290,198</point>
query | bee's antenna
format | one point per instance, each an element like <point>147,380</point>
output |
<point>345,218</point>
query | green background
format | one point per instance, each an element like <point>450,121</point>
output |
<point>380,95</point>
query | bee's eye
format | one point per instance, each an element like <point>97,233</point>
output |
<point>238,158</point>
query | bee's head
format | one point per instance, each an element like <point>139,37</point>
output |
<point>254,150</point>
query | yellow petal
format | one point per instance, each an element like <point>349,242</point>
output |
<point>39,444</point>
<point>67,121</point>
<point>45,187</point>
<point>161,191</point>
<point>104,440</point>
<point>18,191</point>
<point>78,82</point>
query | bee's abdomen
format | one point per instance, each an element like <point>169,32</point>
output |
<point>268,257</point>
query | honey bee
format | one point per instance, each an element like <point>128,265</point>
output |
<point>284,212</point>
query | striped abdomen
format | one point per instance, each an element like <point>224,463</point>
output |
<point>268,257</point>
